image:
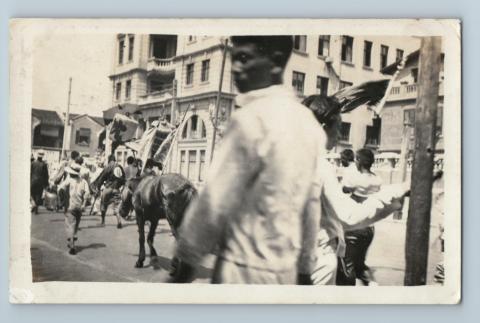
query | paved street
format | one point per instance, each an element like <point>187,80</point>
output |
<point>107,254</point>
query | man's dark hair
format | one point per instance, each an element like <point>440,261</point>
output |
<point>111,158</point>
<point>79,160</point>
<point>269,45</point>
<point>346,157</point>
<point>130,160</point>
<point>74,154</point>
<point>365,158</point>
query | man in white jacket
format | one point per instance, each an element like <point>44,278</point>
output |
<point>253,204</point>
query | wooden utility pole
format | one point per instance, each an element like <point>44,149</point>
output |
<point>403,162</point>
<point>404,151</point>
<point>217,104</point>
<point>418,222</point>
<point>67,120</point>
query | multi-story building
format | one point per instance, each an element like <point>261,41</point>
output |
<point>326,64</point>
<point>177,78</point>
<point>399,108</point>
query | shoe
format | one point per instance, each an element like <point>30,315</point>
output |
<point>72,251</point>
<point>119,226</point>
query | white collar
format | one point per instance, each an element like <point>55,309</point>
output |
<point>273,90</point>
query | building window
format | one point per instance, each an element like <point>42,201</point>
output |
<point>300,43</point>
<point>192,38</point>
<point>189,79</point>
<point>128,89</point>
<point>298,81</point>
<point>373,132</point>
<point>192,162</point>
<point>414,73</point>
<point>121,46</point>
<point>82,137</point>
<point>383,56</point>
<point>345,132</point>
<point>409,117</point>
<point>344,84</point>
<point>118,91</point>
<point>201,170</point>
<point>183,163</point>
<point>322,85</point>
<point>367,54</point>
<point>347,49</point>
<point>131,43</point>
<point>194,129</point>
<point>399,55</point>
<point>163,46</point>
<point>324,45</point>
<point>205,70</point>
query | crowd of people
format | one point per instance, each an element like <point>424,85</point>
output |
<point>75,185</point>
<point>273,209</point>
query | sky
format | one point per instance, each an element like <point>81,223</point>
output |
<point>87,59</point>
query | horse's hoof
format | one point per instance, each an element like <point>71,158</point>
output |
<point>138,264</point>
<point>119,226</point>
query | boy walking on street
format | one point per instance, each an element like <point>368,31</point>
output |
<point>77,188</point>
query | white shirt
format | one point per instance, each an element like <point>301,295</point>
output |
<point>363,184</point>
<point>258,187</point>
<point>339,211</point>
<point>77,188</point>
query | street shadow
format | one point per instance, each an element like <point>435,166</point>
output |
<point>57,220</point>
<point>162,263</point>
<point>377,268</point>
<point>91,246</point>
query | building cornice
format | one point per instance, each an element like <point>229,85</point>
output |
<point>130,71</point>
<point>189,98</point>
<point>194,53</point>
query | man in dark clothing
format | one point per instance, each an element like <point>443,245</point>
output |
<point>39,180</point>
<point>131,171</point>
<point>113,177</point>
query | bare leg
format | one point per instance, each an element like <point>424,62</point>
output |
<point>116,201</point>
<point>70,224</point>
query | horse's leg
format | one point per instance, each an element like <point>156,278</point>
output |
<point>151,235</point>
<point>141,238</point>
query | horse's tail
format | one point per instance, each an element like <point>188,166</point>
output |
<point>180,203</point>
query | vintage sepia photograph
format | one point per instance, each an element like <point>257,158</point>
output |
<point>214,161</point>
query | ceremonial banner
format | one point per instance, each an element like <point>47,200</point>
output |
<point>122,129</point>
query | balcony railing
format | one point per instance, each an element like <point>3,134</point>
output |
<point>162,64</point>
<point>155,96</point>
<point>407,91</point>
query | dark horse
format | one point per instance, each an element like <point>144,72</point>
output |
<point>155,197</point>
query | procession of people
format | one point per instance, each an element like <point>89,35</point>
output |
<point>273,210</point>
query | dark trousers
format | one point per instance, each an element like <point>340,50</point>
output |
<point>353,266</point>
<point>36,191</point>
